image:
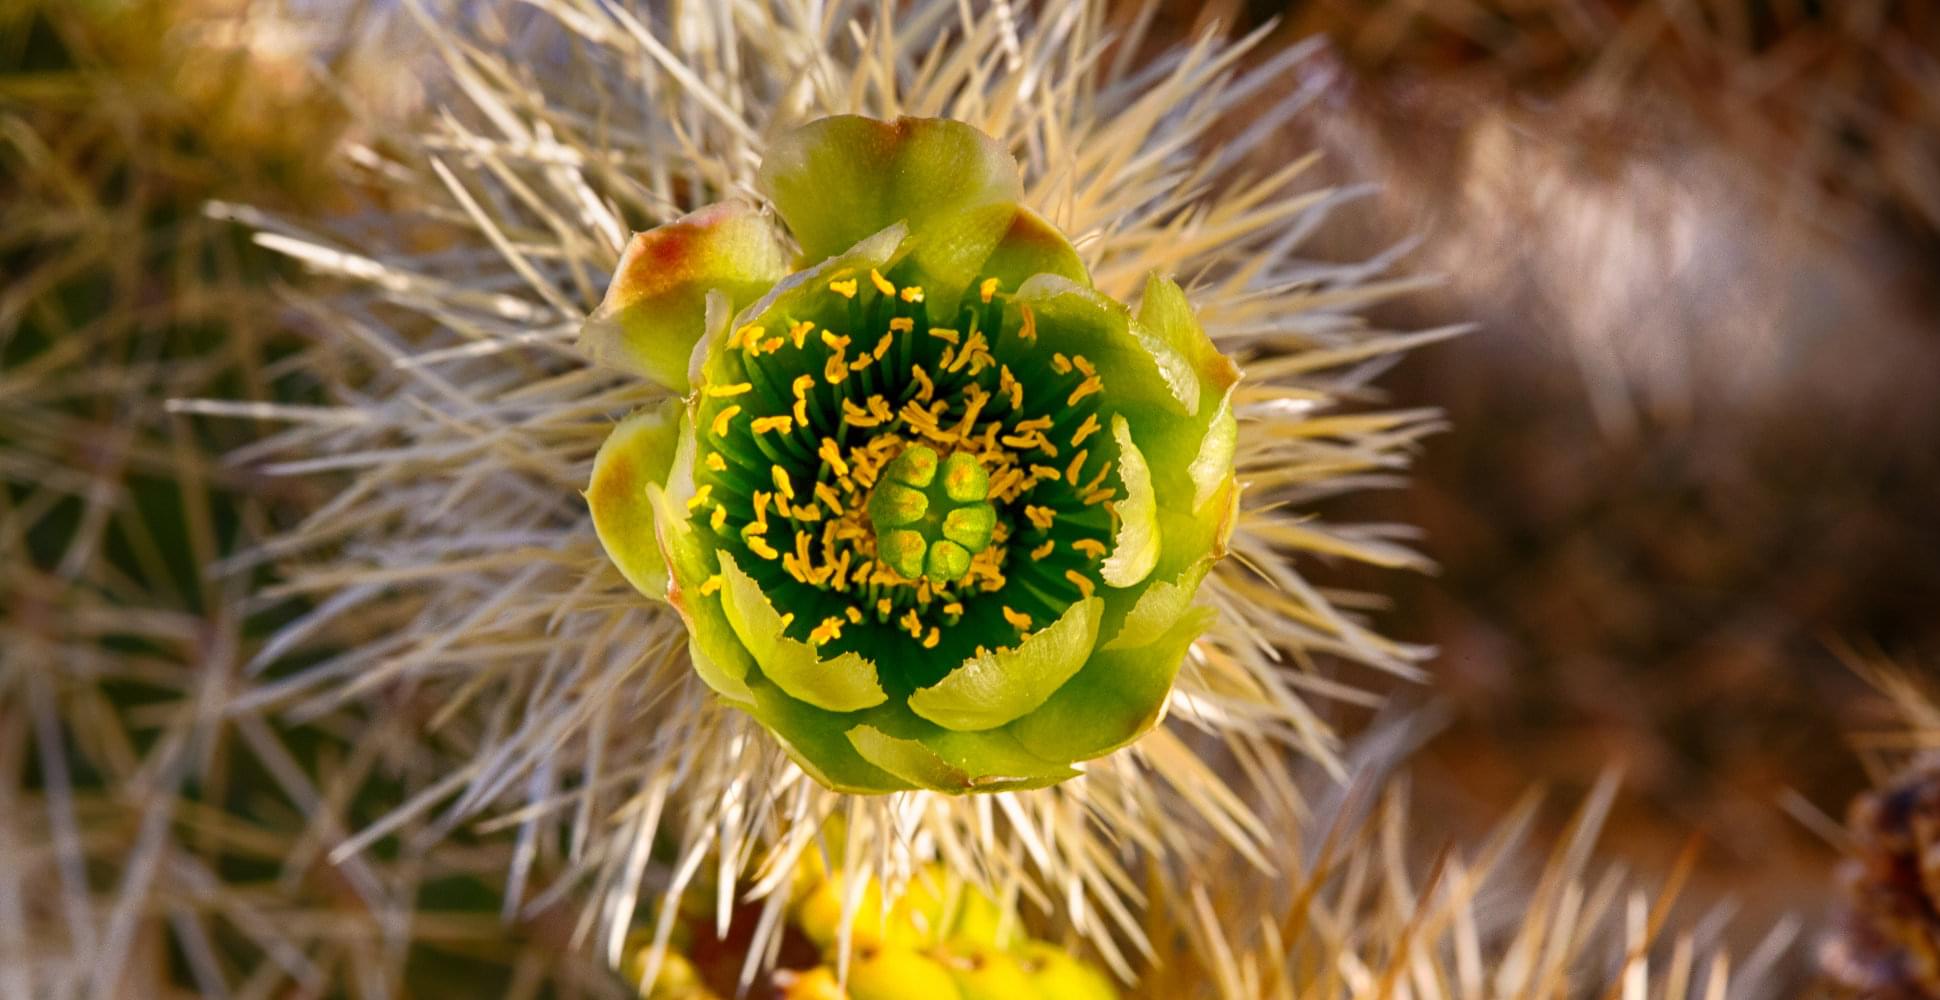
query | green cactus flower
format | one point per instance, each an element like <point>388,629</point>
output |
<point>932,507</point>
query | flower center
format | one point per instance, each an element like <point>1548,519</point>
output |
<point>931,517</point>
<point>895,478</point>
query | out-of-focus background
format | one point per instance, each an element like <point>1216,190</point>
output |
<point>1691,476</point>
<point>1693,472</point>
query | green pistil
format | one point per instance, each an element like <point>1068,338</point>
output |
<point>932,514</point>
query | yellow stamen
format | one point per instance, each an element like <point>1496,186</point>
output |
<point>935,636</point>
<point>1017,619</point>
<point>1091,547</point>
<point>882,346</point>
<point>1085,430</point>
<point>1079,580</point>
<point>845,288</point>
<point>946,335</point>
<point>783,484</point>
<point>720,391</point>
<point>828,631</point>
<point>988,288</point>
<point>699,499</point>
<point>718,521</point>
<point>1061,364</point>
<point>1028,329</point>
<point>716,462</point>
<point>882,284</point>
<point>799,333</point>
<point>836,343</point>
<point>1085,388</point>
<point>711,585</point>
<point>924,387</point>
<point>759,546</point>
<point>1043,552</point>
<point>854,613</point>
<point>1041,517</point>
<point>1076,467</point>
<point>833,456</point>
<point>722,419</point>
<point>762,425</point>
<point>913,293</point>
<point>826,493</point>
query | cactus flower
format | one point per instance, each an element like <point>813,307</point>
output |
<point>933,508</point>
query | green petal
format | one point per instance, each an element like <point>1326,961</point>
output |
<point>719,658</point>
<point>814,739</point>
<point>1031,247</point>
<point>837,180</point>
<point>843,684</point>
<point>637,453</point>
<point>1118,695</point>
<point>1142,374</point>
<point>1191,459</point>
<point>1157,609</point>
<point>1136,548</point>
<point>991,689</point>
<point>653,311</point>
<point>958,762</point>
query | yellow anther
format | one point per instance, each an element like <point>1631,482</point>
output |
<point>913,293</point>
<point>1079,362</point>
<point>1041,517</point>
<point>699,499</point>
<point>1045,473</point>
<point>761,501</point>
<point>746,335</point>
<point>723,419</point>
<point>1085,388</point>
<point>836,369</point>
<point>902,324</point>
<point>882,284</point>
<point>1091,547</point>
<point>831,454</point>
<point>882,346</point>
<point>1103,471</point>
<point>946,335</point>
<point>784,424</point>
<point>953,608</point>
<point>828,631</point>
<point>845,287</point>
<point>1079,580</point>
<point>1042,552</point>
<point>857,416</point>
<point>912,623</point>
<point>716,462</point>
<point>1028,328</point>
<point>1017,619</point>
<point>1096,497</point>
<point>759,546</point>
<point>718,520</point>
<point>883,606</point>
<point>924,387</point>
<point>1009,386</point>
<point>787,620</point>
<point>854,613</point>
<point>935,636</point>
<point>1061,364</point>
<point>1076,468</point>
<point>799,333</point>
<point>836,343</point>
<point>826,493</point>
<point>772,344</point>
<point>783,484</point>
<point>711,585</point>
<point>720,391</point>
<point>988,288</point>
<point>1085,430</point>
